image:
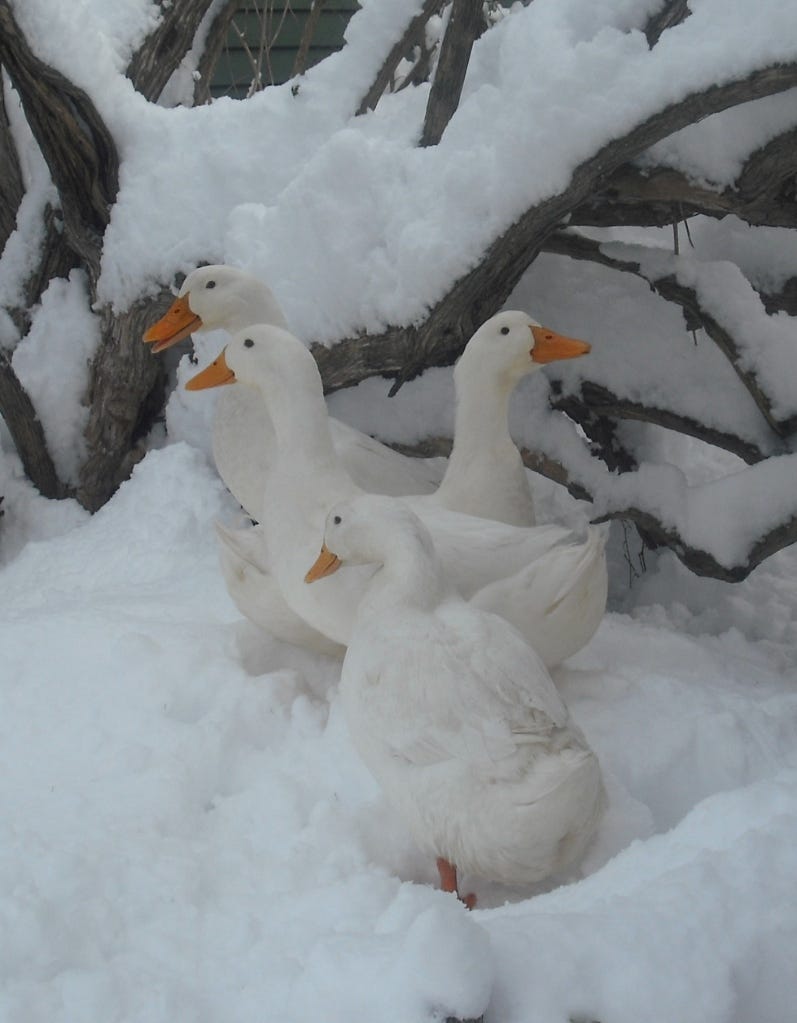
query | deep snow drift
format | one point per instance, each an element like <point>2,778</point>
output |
<point>189,835</point>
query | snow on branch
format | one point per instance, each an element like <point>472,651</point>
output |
<point>762,193</point>
<point>11,186</point>
<point>405,351</point>
<point>413,36</point>
<point>465,24</point>
<point>716,297</point>
<point>160,54</point>
<point>724,528</point>
<point>672,13</point>
<point>79,150</point>
<point>26,429</point>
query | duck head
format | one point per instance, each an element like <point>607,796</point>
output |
<point>214,297</point>
<point>511,344</point>
<point>365,530</point>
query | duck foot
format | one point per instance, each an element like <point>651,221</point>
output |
<point>448,882</point>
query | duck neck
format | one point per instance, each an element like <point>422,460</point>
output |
<point>294,398</point>
<point>481,425</point>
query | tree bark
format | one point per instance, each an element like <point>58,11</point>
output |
<point>160,54</point>
<point>413,36</point>
<point>125,394</point>
<point>12,188</point>
<point>27,433</point>
<point>703,562</point>
<point>464,27</point>
<point>310,25</point>
<point>763,194</point>
<point>73,139</point>
<point>214,44</point>
<point>126,384</point>
<point>672,13</point>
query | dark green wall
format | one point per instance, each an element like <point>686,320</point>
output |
<point>234,69</point>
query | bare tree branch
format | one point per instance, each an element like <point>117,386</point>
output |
<point>703,562</point>
<point>56,259</point>
<point>578,247</point>
<point>783,300</point>
<point>403,352</point>
<point>125,394</point>
<point>214,44</point>
<point>27,432</point>
<point>126,384</point>
<point>310,25</point>
<point>12,188</point>
<point>413,36</point>
<point>603,402</point>
<point>464,27</point>
<point>73,139</point>
<point>762,195</point>
<point>160,54</point>
<point>672,13</point>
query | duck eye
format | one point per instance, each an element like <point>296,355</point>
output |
<point>248,343</point>
<point>337,520</point>
<point>211,284</point>
<point>504,330</point>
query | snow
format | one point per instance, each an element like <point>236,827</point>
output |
<point>187,833</point>
<point>53,367</point>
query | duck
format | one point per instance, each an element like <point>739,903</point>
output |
<point>547,579</point>
<point>453,713</point>
<point>485,475</point>
<point>225,297</point>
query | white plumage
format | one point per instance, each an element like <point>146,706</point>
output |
<point>453,713</point>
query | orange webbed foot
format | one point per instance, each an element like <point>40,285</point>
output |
<point>448,882</point>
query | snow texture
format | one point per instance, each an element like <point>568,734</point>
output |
<point>187,833</point>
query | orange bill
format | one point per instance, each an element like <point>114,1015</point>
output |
<point>325,564</point>
<point>549,346</point>
<point>214,375</point>
<point>175,324</point>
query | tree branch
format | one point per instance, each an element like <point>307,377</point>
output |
<point>160,54</point>
<point>125,394</point>
<point>73,139</point>
<point>464,27</point>
<point>666,285</point>
<point>672,13</point>
<point>214,44</point>
<point>12,188</point>
<point>703,562</point>
<point>762,195</point>
<point>27,433</point>
<point>405,351</point>
<point>413,36</point>
<point>310,25</point>
<point>603,402</point>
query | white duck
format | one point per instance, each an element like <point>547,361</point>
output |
<point>551,586</point>
<point>485,475</point>
<point>214,297</point>
<point>455,716</point>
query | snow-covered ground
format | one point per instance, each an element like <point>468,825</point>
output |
<point>186,835</point>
